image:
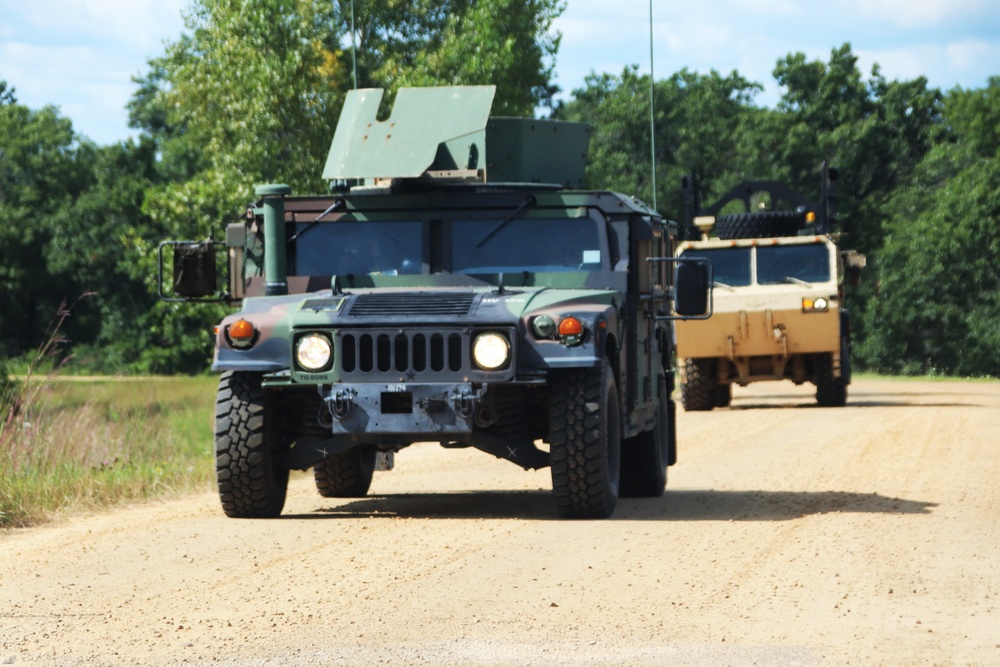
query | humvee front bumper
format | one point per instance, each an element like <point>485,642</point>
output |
<point>430,409</point>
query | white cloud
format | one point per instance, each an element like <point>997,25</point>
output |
<point>913,14</point>
<point>769,7</point>
<point>139,23</point>
<point>972,54</point>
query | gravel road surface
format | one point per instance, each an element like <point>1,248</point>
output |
<point>789,535</point>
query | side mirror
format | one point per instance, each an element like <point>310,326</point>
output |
<point>692,285</point>
<point>194,269</point>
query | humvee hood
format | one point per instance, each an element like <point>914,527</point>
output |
<point>383,306</point>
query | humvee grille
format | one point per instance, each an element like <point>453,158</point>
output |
<point>367,305</point>
<point>397,355</point>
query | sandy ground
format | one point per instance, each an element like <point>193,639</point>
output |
<point>789,535</point>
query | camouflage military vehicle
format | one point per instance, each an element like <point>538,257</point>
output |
<point>459,293</point>
<point>778,306</point>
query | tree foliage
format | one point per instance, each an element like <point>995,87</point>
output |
<point>250,93</point>
<point>42,170</point>
<point>939,270</point>
<point>507,43</point>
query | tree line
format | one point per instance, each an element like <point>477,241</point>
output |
<point>251,91</point>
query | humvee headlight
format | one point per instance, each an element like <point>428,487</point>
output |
<point>810,305</point>
<point>490,350</point>
<point>543,326</point>
<point>313,352</point>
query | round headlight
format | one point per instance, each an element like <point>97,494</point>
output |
<point>490,350</point>
<point>313,352</point>
<point>819,304</point>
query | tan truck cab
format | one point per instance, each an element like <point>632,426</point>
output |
<point>778,315</point>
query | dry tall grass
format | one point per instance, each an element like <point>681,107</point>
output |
<point>86,443</point>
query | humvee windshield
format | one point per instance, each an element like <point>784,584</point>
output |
<point>401,247</point>
<point>770,265</point>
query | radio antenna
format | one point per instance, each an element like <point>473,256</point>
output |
<point>652,125</point>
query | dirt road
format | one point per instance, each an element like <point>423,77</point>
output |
<point>789,535</point>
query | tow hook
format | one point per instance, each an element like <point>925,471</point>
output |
<point>465,402</point>
<point>340,402</point>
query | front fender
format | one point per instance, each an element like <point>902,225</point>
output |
<point>591,351</point>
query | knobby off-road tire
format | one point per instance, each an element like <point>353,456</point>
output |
<point>347,474</point>
<point>251,485</point>
<point>644,457</point>
<point>699,385</point>
<point>758,225</point>
<point>831,392</point>
<point>723,395</point>
<point>585,442</point>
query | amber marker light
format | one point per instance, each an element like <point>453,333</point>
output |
<point>570,326</point>
<point>241,333</point>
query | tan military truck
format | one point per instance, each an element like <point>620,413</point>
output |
<point>778,306</point>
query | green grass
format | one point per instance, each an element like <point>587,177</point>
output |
<point>83,444</point>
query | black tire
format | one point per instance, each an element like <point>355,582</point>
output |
<point>722,396</point>
<point>831,392</point>
<point>251,485</point>
<point>698,385</point>
<point>347,474</point>
<point>758,225</point>
<point>585,442</point>
<point>644,457</point>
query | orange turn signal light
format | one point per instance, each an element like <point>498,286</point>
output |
<point>241,330</point>
<point>570,326</point>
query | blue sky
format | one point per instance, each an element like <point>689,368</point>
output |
<point>80,55</point>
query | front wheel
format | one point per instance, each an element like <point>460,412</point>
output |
<point>699,384</point>
<point>831,392</point>
<point>251,484</point>
<point>585,442</point>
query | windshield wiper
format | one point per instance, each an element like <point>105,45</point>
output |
<point>797,281</point>
<point>716,283</point>
<point>529,201</point>
<point>333,207</point>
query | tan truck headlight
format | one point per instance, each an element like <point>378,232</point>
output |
<point>490,350</point>
<point>313,352</point>
<point>817,305</point>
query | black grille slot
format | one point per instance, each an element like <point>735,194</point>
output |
<point>394,354</point>
<point>368,305</point>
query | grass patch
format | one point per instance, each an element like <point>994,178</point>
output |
<point>83,443</point>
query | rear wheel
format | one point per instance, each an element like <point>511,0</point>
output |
<point>698,385</point>
<point>644,457</point>
<point>347,474</point>
<point>251,485</point>
<point>585,442</point>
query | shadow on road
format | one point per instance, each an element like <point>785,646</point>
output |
<point>710,505</point>
<point>880,402</point>
<point>681,505</point>
<point>868,399</point>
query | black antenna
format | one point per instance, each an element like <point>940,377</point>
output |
<point>652,125</point>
